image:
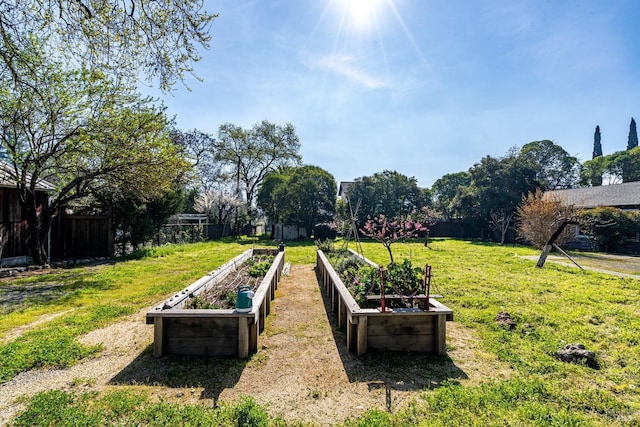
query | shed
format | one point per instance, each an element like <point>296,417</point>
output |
<point>14,234</point>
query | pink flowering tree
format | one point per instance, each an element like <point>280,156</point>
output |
<point>387,231</point>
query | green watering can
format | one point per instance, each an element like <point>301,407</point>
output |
<point>244,299</point>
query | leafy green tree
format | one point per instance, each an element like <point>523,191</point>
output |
<point>81,131</point>
<point>388,193</point>
<point>304,196</point>
<point>272,197</point>
<point>444,192</point>
<point>249,155</point>
<point>497,185</point>
<point>632,141</point>
<point>138,219</point>
<point>621,166</point>
<point>630,164</point>
<point>311,197</point>
<point>597,145</point>
<point>592,172</point>
<point>129,39</point>
<point>555,168</point>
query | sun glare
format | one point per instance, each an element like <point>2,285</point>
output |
<point>362,14</point>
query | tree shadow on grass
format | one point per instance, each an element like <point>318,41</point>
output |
<point>213,374</point>
<point>400,371</point>
<point>46,289</point>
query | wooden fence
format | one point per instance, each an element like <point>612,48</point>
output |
<point>81,236</point>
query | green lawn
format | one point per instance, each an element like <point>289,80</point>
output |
<point>553,306</point>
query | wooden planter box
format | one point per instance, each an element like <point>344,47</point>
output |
<point>407,329</point>
<point>214,332</point>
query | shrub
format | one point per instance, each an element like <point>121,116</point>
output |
<point>404,278</point>
<point>324,231</point>
<point>609,227</point>
<point>539,216</point>
<point>326,245</point>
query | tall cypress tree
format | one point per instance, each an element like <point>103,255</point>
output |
<point>633,135</point>
<point>597,146</point>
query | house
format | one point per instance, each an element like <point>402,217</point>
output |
<point>343,188</point>
<point>625,196</point>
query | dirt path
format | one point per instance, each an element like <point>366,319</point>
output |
<point>122,341</point>
<point>302,370</point>
<point>615,265</point>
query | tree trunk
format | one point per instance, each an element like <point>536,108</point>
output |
<point>390,253</point>
<point>37,230</point>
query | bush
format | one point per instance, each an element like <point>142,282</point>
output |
<point>324,231</point>
<point>610,227</point>
<point>325,245</point>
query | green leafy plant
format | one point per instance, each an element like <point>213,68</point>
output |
<point>198,302</point>
<point>325,245</point>
<point>260,269</point>
<point>404,278</point>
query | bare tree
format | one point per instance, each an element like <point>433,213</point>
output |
<point>539,216</point>
<point>500,221</point>
<point>249,155</point>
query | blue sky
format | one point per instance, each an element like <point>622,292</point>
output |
<point>424,87</point>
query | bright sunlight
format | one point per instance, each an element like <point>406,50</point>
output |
<point>362,15</point>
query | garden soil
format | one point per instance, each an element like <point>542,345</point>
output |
<point>302,370</point>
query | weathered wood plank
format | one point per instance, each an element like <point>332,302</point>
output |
<point>243,338</point>
<point>352,334</point>
<point>394,296</point>
<point>214,332</point>
<point>361,346</point>
<point>441,336</point>
<point>215,346</point>
<point>417,343</point>
<point>253,337</point>
<point>402,325</point>
<point>158,338</point>
<point>201,328</point>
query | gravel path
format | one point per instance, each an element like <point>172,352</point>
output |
<point>122,343</point>
<point>302,370</point>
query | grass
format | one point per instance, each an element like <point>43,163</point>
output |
<point>57,408</point>
<point>97,297</point>
<point>552,306</point>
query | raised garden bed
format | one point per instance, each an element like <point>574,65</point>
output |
<point>216,331</point>
<point>420,328</point>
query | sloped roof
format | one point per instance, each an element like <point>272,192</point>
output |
<point>624,196</point>
<point>8,178</point>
